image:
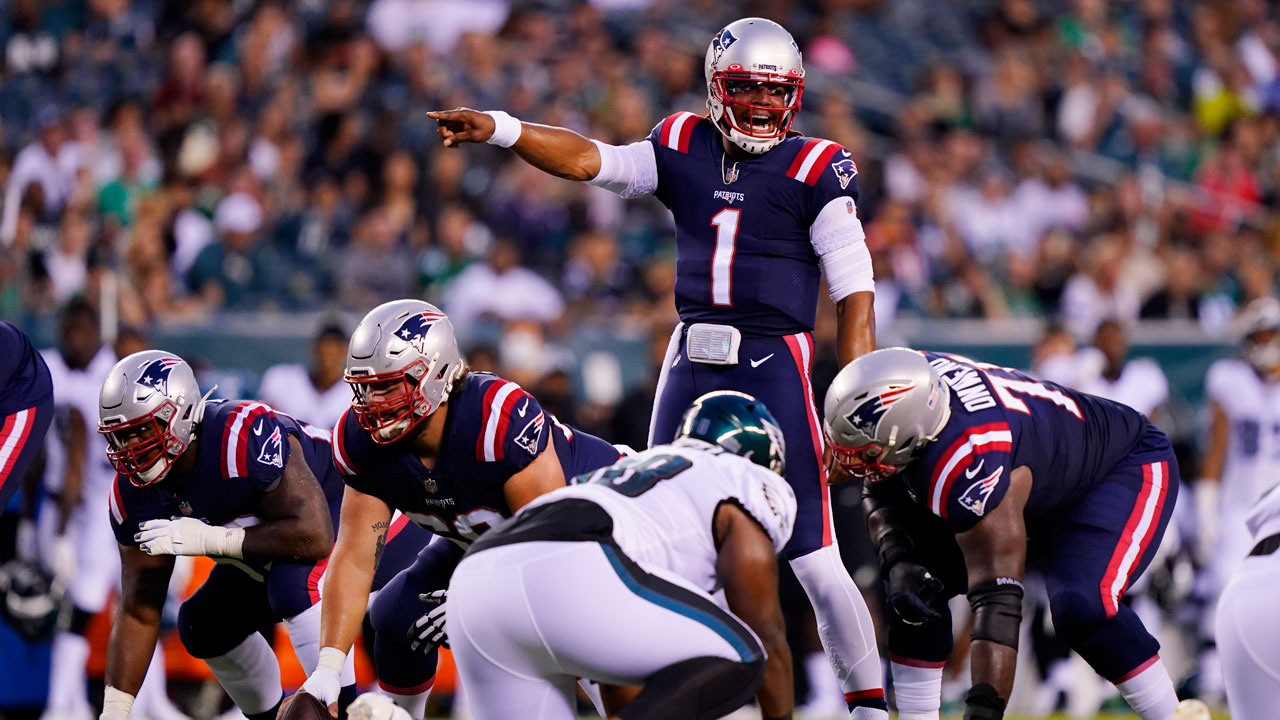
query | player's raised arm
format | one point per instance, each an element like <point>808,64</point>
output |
<point>144,580</point>
<point>748,567</point>
<point>995,551</point>
<point>561,152</point>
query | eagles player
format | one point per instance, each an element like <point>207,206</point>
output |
<point>252,488</point>
<point>615,574</point>
<point>1019,472</point>
<point>758,211</point>
<point>456,452</point>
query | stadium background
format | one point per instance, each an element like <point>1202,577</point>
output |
<point>223,178</point>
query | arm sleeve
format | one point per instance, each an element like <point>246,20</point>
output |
<point>838,239</point>
<point>525,433</point>
<point>628,170</point>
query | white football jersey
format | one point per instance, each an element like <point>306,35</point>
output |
<point>1142,385</point>
<point>1253,451</point>
<point>663,502</point>
<point>79,389</point>
<point>288,388</point>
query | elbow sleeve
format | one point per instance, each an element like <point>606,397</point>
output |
<point>628,170</point>
<point>838,238</point>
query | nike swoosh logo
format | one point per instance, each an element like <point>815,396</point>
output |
<point>758,363</point>
<point>257,429</point>
<point>972,472</point>
<point>523,407</point>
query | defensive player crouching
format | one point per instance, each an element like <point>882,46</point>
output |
<point>235,481</point>
<point>1019,471</point>
<point>613,576</point>
<point>456,452</point>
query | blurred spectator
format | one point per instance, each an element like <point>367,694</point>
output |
<point>235,272</point>
<point>40,164</point>
<point>501,289</point>
<point>376,266</point>
<point>316,394</point>
<point>1100,290</point>
<point>1106,370</point>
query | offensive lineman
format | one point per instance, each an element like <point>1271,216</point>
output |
<point>235,481</point>
<point>757,210</point>
<point>456,452</point>
<point>1020,471</point>
<point>613,576</point>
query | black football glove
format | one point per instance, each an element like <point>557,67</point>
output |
<point>912,592</point>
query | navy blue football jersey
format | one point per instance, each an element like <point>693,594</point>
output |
<point>493,430</point>
<point>24,378</point>
<point>742,231</point>
<point>242,452</point>
<point>1002,419</point>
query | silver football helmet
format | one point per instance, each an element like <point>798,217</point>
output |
<point>1259,325</point>
<point>401,364</point>
<point>882,410</point>
<point>148,410</point>
<point>747,55</point>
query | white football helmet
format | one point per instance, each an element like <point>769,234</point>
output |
<point>401,364</point>
<point>1259,325</point>
<point>148,410</point>
<point>746,54</point>
<point>882,410</point>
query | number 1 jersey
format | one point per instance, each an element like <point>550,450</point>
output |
<point>744,253</point>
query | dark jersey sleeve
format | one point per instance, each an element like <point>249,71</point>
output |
<point>349,440</point>
<point>672,135</point>
<point>972,476</point>
<point>255,446</point>
<point>837,179</point>
<point>513,428</point>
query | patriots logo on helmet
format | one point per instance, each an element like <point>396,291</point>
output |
<point>845,170</point>
<point>155,374</point>
<point>723,41</point>
<point>866,417</point>
<point>531,433</point>
<point>415,327</point>
<point>272,452</point>
<point>974,499</point>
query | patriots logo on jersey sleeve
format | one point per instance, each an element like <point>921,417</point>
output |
<point>272,452</point>
<point>866,417</point>
<point>415,327</point>
<point>976,495</point>
<point>155,375</point>
<point>845,170</point>
<point>531,433</point>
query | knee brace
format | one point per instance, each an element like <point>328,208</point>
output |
<point>698,689</point>
<point>997,611</point>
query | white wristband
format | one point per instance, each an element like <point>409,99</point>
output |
<point>116,703</point>
<point>230,543</point>
<point>506,129</point>
<point>332,659</point>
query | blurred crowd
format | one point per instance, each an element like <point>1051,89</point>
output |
<point>1082,158</point>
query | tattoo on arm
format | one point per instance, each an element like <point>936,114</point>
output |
<point>380,528</point>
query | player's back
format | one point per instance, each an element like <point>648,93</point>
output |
<point>24,379</point>
<point>744,252</point>
<point>663,502</point>
<point>1002,419</point>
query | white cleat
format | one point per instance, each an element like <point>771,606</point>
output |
<point>373,706</point>
<point>1192,710</point>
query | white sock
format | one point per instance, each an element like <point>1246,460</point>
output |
<point>844,623</point>
<point>414,703</point>
<point>304,635</point>
<point>1150,692</point>
<point>918,691</point>
<point>67,688</point>
<point>250,675</point>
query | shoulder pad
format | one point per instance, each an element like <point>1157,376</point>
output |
<point>813,158</point>
<point>675,131</point>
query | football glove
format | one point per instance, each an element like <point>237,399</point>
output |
<point>912,592</point>
<point>428,632</point>
<point>189,536</point>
